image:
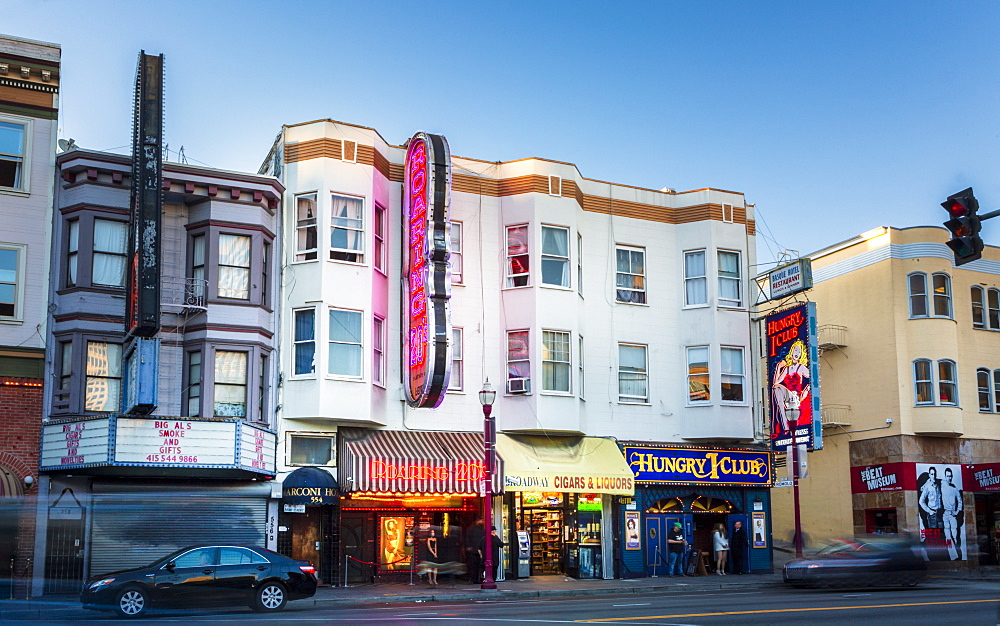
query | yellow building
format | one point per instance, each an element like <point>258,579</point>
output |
<point>910,396</point>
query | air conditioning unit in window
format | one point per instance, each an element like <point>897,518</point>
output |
<point>518,385</point>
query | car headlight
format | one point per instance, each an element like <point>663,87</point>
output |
<point>101,583</point>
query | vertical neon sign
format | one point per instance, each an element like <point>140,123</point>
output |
<point>427,284</point>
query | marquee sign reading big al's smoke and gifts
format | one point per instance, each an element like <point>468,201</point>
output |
<point>426,205</point>
<point>700,466</point>
<point>793,376</point>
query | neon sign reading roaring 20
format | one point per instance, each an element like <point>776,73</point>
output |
<point>426,206</point>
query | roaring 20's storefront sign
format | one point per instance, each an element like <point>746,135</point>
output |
<point>426,206</point>
<point>793,376</point>
<point>699,466</point>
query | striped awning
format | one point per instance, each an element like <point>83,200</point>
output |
<point>397,462</point>
<point>10,484</point>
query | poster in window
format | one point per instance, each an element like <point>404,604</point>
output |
<point>632,535</point>
<point>941,511</point>
<point>759,528</point>
<point>396,543</point>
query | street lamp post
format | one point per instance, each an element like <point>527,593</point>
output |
<point>792,415</point>
<point>486,397</point>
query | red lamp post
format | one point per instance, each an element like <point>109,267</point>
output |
<point>792,415</point>
<point>486,397</point>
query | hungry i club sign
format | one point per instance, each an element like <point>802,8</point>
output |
<point>427,249</point>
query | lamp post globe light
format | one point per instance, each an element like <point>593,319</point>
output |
<point>486,397</point>
<point>792,415</point>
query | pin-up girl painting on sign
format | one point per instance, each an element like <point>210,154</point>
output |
<point>791,385</point>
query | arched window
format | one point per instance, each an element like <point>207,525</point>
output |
<point>923,382</point>
<point>978,307</point>
<point>947,382</point>
<point>985,390</point>
<point>942,294</point>
<point>993,309</point>
<point>917,286</point>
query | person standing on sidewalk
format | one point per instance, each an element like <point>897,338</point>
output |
<point>495,544</point>
<point>676,547</point>
<point>473,537</point>
<point>720,543</point>
<point>739,547</point>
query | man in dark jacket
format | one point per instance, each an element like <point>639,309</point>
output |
<point>473,537</point>
<point>495,544</point>
<point>738,545</point>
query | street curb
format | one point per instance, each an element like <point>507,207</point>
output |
<point>505,594</point>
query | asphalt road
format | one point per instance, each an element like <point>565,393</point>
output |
<point>960,603</point>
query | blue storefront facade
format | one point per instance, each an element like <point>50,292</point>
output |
<point>698,487</point>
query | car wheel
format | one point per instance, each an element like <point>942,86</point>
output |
<point>131,602</point>
<point>270,596</point>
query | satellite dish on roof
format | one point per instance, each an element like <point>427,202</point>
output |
<point>66,145</point>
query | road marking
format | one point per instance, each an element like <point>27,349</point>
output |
<point>761,611</point>
<point>634,604</point>
<point>413,614</point>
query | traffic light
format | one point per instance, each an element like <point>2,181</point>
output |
<point>964,226</point>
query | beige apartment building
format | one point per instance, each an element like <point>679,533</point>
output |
<point>910,396</point>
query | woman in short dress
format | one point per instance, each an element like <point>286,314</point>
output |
<point>720,543</point>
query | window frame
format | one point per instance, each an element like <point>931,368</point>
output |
<point>379,215</point>
<point>248,268</point>
<point>632,399</point>
<point>87,375</point>
<point>187,397</point>
<point>728,303</point>
<point>122,256</point>
<point>580,363</point>
<point>579,264</point>
<point>360,376</point>
<point>558,365</point>
<point>211,234</point>
<point>526,360</point>
<point>689,279</point>
<point>359,230</point>
<point>946,297</point>
<point>917,297</point>
<point>457,360</point>
<point>690,376</point>
<point>953,382</point>
<point>20,251</point>
<point>23,188</point>
<point>928,382</point>
<point>564,260</point>
<point>985,392</point>
<point>305,254</point>
<point>742,375</point>
<point>378,350</point>
<point>330,437</point>
<point>457,257</point>
<point>644,291</point>
<point>511,278</point>
<point>297,342</point>
<point>247,384</point>
<point>977,299</point>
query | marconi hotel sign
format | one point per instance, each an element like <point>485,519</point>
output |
<point>426,207</point>
<point>699,466</point>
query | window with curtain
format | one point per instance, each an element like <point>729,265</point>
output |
<point>941,283</point>
<point>457,361</point>
<point>304,338</point>
<point>230,384</point>
<point>193,395</point>
<point>104,377</point>
<point>555,361</point>
<point>72,251</point>
<point>978,307</point>
<point>699,381</point>
<point>306,240</point>
<point>378,351</point>
<point>234,267</point>
<point>695,278</point>
<point>985,388</point>
<point>947,382</point>
<point>555,256</point>
<point>633,373</point>
<point>9,270</point>
<point>630,276</point>
<point>198,282</point>
<point>345,343</point>
<point>917,287</point>
<point>730,290</point>
<point>110,241</point>
<point>379,238</point>
<point>347,231</point>
<point>12,152</point>
<point>923,383</point>
<point>518,361</point>
<point>517,256</point>
<point>457,277</point>
<point>732,374</point>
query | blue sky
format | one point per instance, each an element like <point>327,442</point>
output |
<point>832,118</point>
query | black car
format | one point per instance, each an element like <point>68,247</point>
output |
<point>869,562</point>
<point>202,575</point>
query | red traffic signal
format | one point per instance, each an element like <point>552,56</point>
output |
<point>964,226</point>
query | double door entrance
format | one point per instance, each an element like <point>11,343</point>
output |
<point>697,528</point>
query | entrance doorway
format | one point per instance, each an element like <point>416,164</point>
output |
<point>357,537</point>
<point>307,537</point>
<point>545,529</point>
<point>988,528</point>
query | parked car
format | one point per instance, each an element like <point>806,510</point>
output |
<point>868,562</point>
<point>204,575</point>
